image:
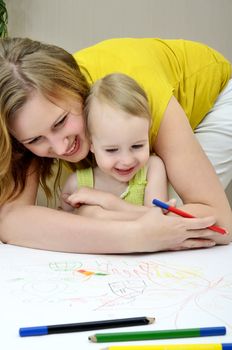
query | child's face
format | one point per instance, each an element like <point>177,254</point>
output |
<point>120,141</point>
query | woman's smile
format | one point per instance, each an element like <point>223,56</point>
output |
<point>74,148</point>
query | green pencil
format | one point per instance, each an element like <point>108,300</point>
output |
<point>161,334</point>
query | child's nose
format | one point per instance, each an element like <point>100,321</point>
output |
<point>127,159</point>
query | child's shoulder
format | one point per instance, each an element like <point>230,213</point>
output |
<point>154,160</point>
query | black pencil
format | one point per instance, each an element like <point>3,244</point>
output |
<point>85,326</point>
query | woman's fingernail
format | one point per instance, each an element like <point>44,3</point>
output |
<point>211,244</point>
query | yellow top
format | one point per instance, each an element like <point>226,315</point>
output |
<point>194,73</point>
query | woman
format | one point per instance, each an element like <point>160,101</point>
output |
<point>42,93</point>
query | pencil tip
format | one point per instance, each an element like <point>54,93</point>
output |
<point>92,338</point>
<point>151,319</point>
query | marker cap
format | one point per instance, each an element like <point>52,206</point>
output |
<point>25,332</point>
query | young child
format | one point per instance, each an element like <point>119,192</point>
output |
<point>118,120</point>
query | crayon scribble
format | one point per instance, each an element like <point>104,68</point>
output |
<point>170,291</point>
<point>91,273</point>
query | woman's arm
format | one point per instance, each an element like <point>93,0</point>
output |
<point>24,224</point>
<point>189,170</point>
<point>49,229</point>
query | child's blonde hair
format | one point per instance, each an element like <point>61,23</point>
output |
<point>121,92</point>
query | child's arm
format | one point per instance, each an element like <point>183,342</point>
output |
<point>156,188</point>
<point>157,184</point>
<point>72,198</point>
<point>69,188</point>
<point>106,200</point>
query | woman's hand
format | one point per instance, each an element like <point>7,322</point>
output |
<point>155,230</point>
<point>160,232</point>
<point>202,195</point>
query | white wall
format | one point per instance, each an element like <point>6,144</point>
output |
<point>74,24</point>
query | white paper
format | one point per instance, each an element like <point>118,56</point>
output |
<point>186,289</point>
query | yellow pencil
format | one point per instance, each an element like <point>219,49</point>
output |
<point>225,346</point>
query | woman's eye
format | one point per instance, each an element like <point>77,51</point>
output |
<point>37,139</point>
<point>61,121</point>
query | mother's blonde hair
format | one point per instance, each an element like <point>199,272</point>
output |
<point>27,66</point>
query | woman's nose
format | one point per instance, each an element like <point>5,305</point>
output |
<point>59,145</point>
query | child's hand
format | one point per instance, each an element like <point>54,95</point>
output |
<point>88,196</point>
<point>105,200</point>
<point>171,202</point>
<point>65,198</point>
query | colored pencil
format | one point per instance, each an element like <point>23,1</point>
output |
<point>159,334</point>
<point>85,326</point>
<point>180,212</point>
<point>212,346</point>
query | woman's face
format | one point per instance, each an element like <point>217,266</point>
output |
<point>49,130</point>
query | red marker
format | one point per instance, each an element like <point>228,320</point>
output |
<point>179,212</point>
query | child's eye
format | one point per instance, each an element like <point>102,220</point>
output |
<point>61,121</point>
<point>137,146</point>
<point>111,150</point>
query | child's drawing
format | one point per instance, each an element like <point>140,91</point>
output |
<point>172,290</point>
